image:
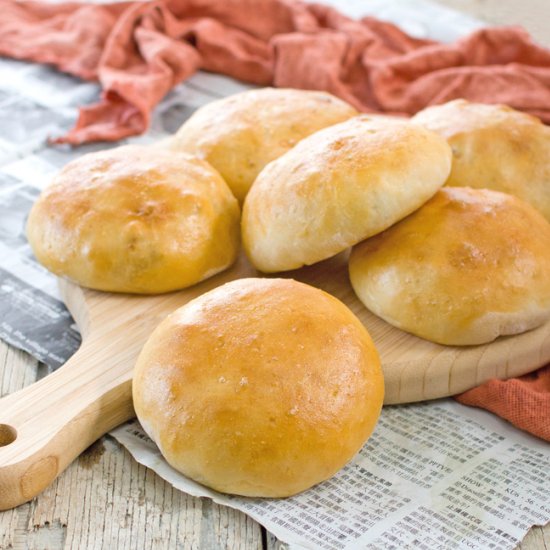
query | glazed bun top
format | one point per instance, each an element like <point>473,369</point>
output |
<point>260,387</point>
<point>242,133</point>
<point>135,219</point>
<point>495,147</point>
<point>338,187</point>
<point>468,266</point>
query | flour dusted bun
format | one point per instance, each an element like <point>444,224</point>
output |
<point>495,147</point>
<point>338,187</point>
<point>240,134</point>
<point>467,267</point>
<point>135,219</point>
<point>260,387</point>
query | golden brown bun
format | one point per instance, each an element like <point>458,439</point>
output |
<point>338,187</point>
<point>495,147</point>
<point>135,219</point>
<point>467,267</point>
<point>240,134</point>
<point>260,387</point>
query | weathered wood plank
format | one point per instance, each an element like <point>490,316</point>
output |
<point>538,538</point>
<point>273,543</point>
<point>17,369</point>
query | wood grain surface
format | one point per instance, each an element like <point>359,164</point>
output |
<point>105,500</point>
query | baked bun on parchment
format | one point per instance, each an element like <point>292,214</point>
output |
<point>240,134</point>
<point>260,387</point>
<point>495,147</point>
<point>338,187</point>
<point>135,219</point>
<point>468,266</point>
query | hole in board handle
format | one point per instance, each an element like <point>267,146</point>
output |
<point>7,435</point>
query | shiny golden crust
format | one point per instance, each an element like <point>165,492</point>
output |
<point>261,387</point>
<point>338,187</point>
<point>467,267</point>
<point>240,134</point>
<point>495,147</point>
<point>134,219</point>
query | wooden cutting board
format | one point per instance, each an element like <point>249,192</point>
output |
<point>45,426</point>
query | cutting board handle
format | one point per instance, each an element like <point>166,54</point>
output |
<point>45,426</point>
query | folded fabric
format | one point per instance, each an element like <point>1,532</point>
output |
<point>140,50</point>
<point>524,401</point>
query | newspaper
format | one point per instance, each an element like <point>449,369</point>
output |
<point>435,475</point>
<point>432,476</point>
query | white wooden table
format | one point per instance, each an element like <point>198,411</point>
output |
<point>105,500</point>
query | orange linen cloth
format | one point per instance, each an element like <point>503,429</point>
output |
<point>524,401</point>
<point>139,51</point>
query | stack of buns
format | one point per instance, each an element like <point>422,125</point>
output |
<point>265,387</point>
<point>339,186</point>
<point>457,267</point>
<point>241,134</point>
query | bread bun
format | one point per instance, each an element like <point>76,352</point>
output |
<point>134,219</point>
<point>495,147</point>
<point>467,267</point>
<point>260,387</point>
<point>240,134</point>
<point>338,187</point>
